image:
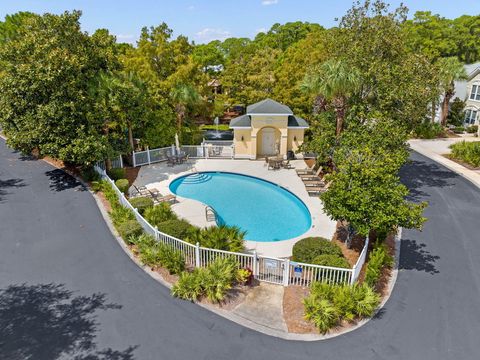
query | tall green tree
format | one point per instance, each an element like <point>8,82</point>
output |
<point>450,70</point>
<point>366,191</point>
<point>183,96</point>
<point>335,81</point>
<point>44,103</point>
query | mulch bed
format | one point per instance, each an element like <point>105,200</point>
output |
<point>460,162</point>
<point>293,310</point>
<point>131,174</point>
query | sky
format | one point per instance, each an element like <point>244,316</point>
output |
<point>206,20</point>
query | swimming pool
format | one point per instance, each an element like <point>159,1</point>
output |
<point>266,211</point>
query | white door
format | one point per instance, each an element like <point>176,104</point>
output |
<point>268,141</point>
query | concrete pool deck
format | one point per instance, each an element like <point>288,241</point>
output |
<point>160,175</point>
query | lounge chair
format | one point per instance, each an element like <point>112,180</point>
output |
<point>140,191</point>
<point>310,183</point>
<point>313,176</point>
<point>305,171</point>
<point>317,189</point>
<point>159,198</point>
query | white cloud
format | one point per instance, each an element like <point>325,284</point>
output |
<point>208,34</point>
<point>126,38</point>
<point>269,2</point>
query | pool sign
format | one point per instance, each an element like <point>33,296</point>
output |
<point>270,263</point>
<point>297,271</point>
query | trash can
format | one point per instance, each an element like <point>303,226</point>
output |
<point>290,155</point>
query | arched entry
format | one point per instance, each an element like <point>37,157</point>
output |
<point>268,140</point>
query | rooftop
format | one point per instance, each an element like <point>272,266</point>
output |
<point>268,107</point>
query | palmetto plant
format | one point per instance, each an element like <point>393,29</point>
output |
<point>183,96</point>
<point>450,69</point>
<point>222,237</point>
<point>335,82</point>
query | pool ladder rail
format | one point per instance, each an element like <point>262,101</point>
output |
<point>210,214</point>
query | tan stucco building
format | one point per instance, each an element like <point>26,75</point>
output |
<point>267,129</point>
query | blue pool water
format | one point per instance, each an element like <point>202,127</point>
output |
<point>267,212</point>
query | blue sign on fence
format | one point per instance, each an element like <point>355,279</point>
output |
<point>297,270</point>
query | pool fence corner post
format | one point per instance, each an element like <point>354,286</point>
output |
<point>133,159</point>
<point>286,272</point>
<point>352,274</point>
<point>197,255</point>
<point>254,264</point>
<point>148,155</point>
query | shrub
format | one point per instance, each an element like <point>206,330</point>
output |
<point>88,173</point>
<point>222,237</point>
<point>467,151</point>
<point>331,260</point>
<point>428,130</point>
<point>458,129</point>
<point>119,214</point>
<point>181,229</point>
<point>141,203</point>
<point>244,276</point>
<point>116,174</point>
<point>379,258</point>
<point>172,259</point>
<point>212,282</point>
<point>129,228</point>
<point>122,185</point>
<point>327,304</point>
<point>142,239</point>
<point>472,129</point>
<point>306,250</point>
<point>157,214</point>
<point>189,285</point>
<point>321,312</point>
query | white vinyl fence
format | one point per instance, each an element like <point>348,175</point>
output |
<point>116,163</point>
<point>221,150</point>
<point>264,268</point>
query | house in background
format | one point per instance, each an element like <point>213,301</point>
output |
<point>468,91</point>
<point>267,129</point>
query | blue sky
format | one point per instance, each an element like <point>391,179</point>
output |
<point>205,20</point>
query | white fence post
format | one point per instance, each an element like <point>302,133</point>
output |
<point>255,265</point>
<point>133,158</point>
<point>121,161</point>
<point>157,235</point>
<point>286,272</point>
<point>197,255</point>
<point>148,155</point>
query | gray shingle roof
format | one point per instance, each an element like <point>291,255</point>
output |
<point>269,106</point>
<point>295,121</point>
<point>241,121</point>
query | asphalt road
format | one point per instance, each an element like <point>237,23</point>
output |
<point>67,290</point>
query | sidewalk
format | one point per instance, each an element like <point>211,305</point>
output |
<point>436,149</point>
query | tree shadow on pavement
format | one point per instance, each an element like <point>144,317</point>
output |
<point>46,321</point>
<point>60,181</point>
<point>416,257</point>
<point>418,174</point>
<point>9,183</point>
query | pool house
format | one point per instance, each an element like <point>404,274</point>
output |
<point>268,128</point>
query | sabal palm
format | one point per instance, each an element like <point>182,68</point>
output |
<point>334,81</point>
<point>183,95</point>
<point>450,70</point>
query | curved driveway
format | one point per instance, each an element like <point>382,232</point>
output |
<point>67,289</point>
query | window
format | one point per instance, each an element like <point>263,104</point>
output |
<point>475,94</point>
<point>470,116</point>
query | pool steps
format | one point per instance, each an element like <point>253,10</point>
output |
<point>197,178</point>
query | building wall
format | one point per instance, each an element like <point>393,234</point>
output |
<point>472,104</point>
<point>251,145</point>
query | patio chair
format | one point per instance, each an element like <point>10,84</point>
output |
<point>312,176</point>
<point>171,160</point>
<point>305,171</point>
<point>159,198</point>
<point>140,191</point>
<point>287,165</point>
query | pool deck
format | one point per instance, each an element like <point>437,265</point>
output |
<point>160,175</point>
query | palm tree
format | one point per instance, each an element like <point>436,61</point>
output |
<point>450,70</point>
<point>183,96</point>
<point>334,81</point>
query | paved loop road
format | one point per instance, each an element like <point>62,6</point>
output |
<point>68,289</point>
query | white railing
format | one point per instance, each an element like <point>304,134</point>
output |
<point>203,151</point>
<point>116,163</point>
<point>357,268</point>
<point>264,268</point>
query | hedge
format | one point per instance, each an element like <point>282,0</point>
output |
<point>122,185</point>
<point>141,203</point>
<point>468,152</point>
<point>306,250</point>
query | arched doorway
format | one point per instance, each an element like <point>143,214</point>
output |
<point>268,141</point>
